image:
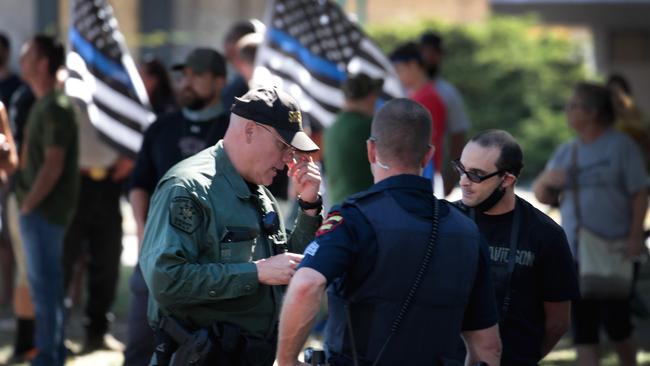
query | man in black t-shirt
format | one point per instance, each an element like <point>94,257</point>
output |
<point>201,123</point>
<point>531,264</point>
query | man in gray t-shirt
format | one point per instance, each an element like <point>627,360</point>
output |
<point>606,170</point>
<point>610,171</point>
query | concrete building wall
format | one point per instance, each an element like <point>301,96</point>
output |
<point>126,12</point>
<point>205,22</point>
<point>457,11</point>
<point>168,29</point>
<point>17,21</point>
<point>154,28</point>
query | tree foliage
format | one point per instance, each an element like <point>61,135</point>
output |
<point>513,73</point>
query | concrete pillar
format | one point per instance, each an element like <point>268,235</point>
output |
<point>18,22</point>
<point>205,22</point>
<point>126,12</point>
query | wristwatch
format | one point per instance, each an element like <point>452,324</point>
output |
<point>318,204</point>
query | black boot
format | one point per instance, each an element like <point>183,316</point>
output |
<point>24,349</point>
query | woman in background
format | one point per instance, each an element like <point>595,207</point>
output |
<point>601,177</point>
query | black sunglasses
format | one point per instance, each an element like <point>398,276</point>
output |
<point>473,177</point>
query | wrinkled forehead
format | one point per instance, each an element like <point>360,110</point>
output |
<point>477,157</point>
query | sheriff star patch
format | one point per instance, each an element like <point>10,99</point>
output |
<point>333,220</point>
<point>185,214</point>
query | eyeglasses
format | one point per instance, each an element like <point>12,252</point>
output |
<point>282,145</point>
<point>472,176</point>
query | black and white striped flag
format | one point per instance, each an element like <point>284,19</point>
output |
<point>309,48</point>
<point>103,74</point>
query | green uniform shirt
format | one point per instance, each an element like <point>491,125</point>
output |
<point>51,122</point>
<point>203,231</point>
<point>345,156</point>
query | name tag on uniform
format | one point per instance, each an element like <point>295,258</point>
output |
<point>238,243</point>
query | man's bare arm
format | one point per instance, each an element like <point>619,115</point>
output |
<point>10,163</point>
<point>548,185</point>
<point>298,314</point>
<point>483,346</point>
<point>636,237</point>
<point>139,199</point>
<point>46,178</point>
<point>558,320</point>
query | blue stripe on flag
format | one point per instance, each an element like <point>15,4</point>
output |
<point>312,62</point>
<point>93,57</point>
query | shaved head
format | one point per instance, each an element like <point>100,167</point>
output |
<point>402,129</point>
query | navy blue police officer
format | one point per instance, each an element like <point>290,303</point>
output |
<point>372,250</point>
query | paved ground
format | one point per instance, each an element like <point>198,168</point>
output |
<point>563,355</point>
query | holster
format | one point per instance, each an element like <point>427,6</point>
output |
<point>233,348</point>
<point>165,348</point>
<point>219,344</point>
<point>177,346</point>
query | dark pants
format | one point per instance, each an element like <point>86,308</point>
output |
<point>227,349</point>
<point>245,353</point>
<point>140,340</point>
<point>590,315</point>
<point>7,260</point>
<point>96,230</point>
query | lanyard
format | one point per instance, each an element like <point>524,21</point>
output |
<point>512,255</point>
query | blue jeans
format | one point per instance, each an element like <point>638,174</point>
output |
<point>43,243</point>
<point>140,341</point>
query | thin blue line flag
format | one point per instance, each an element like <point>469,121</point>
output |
<point>102,74</point>
<point>309,48</point>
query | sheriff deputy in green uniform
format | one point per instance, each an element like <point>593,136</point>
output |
<point>215,252</point>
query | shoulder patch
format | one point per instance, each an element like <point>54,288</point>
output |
<point>312,248</point>
<point>333,220</point>
<point>185,214</point>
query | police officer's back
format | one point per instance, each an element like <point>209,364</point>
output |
<point>408,271</point>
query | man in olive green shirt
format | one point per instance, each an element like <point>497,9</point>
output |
<point>47,184</point>
<point>344,153</point>
<point>215,251</point>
